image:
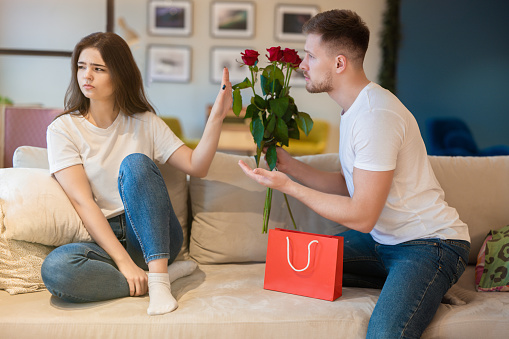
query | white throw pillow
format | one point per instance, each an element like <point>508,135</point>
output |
<point>36,209</point>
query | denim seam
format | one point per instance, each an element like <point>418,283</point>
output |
<point>354,259</point>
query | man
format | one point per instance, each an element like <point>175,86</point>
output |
<point>404,238</point>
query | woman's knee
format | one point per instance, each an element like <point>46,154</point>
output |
<point>57,267</point>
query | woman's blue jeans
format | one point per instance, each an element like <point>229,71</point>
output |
<point>148,229</point>
<point>413,276</point>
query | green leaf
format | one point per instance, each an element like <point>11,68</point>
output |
<point>281,132</point>
<point>293,130</point>
<point>274,73</point>
<point>271,124</point>
<point>244,84</point>
<point>279,106</point>
<point>264,84</point>
<point>251,111</point>
<point>237,102</point>
<point>271,156</point>
<point>257,130</point>
<point>290,112</point>
<point>305,122</point>
<point>259,102</point>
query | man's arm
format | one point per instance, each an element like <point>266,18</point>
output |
<point>327,182</point>
<point>359,212</point>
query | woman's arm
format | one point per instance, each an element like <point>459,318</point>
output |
<point>77,187</point>
<point>197,162</point>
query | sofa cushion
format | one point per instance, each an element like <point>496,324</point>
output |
<point>228,301</point>
<point>478,187</point>
<point>227,209</point>
<point>175,180</point>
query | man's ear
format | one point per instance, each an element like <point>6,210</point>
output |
<point>340,61</point>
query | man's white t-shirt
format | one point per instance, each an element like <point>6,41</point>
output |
<point>73,140</point>
<point>378,133</point>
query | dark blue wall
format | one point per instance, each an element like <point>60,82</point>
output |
<point>454,61</point>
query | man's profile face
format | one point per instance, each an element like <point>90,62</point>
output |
<point>317,65</point>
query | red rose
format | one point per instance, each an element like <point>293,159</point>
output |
<point>292,57</point>
<point>250,57</point>
<point>275,54</point>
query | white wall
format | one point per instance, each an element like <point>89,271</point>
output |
<point>59,24</point>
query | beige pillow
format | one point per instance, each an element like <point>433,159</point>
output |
<point>227,210</point>
<point>36,209</point>
<point>20,266</point>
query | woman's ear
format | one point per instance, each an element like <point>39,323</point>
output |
<point>340,63</point>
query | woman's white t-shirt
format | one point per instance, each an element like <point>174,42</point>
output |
<point>378,133</point>
<point>73,140</point>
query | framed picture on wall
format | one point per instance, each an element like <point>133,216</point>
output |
<point>170,18</point>
<point>232,19</point>
<point>230,57</point>
<point>289,21</point>
<point>167,63</point>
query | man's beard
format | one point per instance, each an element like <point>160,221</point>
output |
<point>324,86</point>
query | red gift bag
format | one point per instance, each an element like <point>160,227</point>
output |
<point>304,263</point>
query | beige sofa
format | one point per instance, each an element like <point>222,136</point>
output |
<point>224,297</point>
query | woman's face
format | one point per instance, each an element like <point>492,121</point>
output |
<point>93,76</point>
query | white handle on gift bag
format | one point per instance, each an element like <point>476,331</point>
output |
<point>288,254</point>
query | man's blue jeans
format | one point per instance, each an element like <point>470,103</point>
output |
<point>413,276</point>
<point>149,229</point>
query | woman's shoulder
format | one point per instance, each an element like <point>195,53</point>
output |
<point>65,120</point>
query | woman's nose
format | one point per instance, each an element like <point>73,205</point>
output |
<point>87,74</point>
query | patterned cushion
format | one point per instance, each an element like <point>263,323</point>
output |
<point>20,265</point>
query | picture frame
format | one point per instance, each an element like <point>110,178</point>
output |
<point>230,57</point>
<point>168,63</point>
<point>289,21</point>
<point>232,19</point>
<point>170,18</point>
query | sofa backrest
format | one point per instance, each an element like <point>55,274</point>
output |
<point>478,187</point>
<point>227,206</point>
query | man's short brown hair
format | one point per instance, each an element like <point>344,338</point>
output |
<point>343,32</point>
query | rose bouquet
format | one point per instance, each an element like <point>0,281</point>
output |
<point>275,118</point>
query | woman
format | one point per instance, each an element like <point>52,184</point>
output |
<point>102,150</point>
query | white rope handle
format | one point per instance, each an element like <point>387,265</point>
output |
<point>288,254</point>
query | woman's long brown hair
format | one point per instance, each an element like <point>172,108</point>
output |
<point>125,75</point>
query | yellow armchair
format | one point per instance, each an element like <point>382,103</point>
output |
<point>175,126</point>
<point>314,143</point>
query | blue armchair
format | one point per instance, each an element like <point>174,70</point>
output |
<point>452,137</point>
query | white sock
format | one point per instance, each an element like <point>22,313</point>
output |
<point>179,269</point>
<point>159,291</point>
